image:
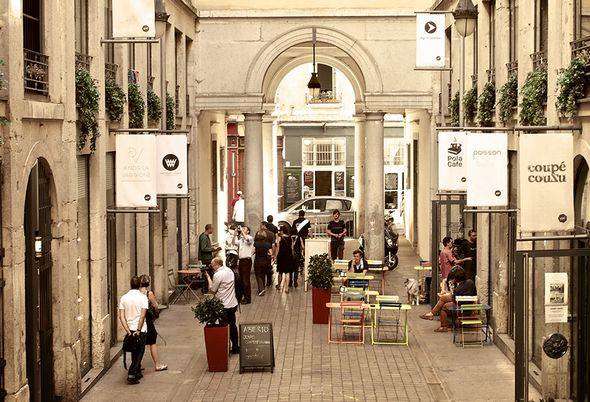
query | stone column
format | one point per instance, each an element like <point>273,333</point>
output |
<point>268,162</point>
<point>359,172</point>
<point>253,192</point>
<point>374,186</point>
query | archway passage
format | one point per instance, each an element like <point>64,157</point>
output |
<point>38,296</point>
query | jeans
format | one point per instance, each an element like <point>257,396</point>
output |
<point>337,250</point>
<point>245,269</point>
<point>261,269</point>
<point>134,371</point>
<point>230,315</point>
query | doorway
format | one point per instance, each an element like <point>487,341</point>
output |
<point>323,183</point>
<point>38,289</point>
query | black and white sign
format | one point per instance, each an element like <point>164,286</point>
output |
<point>452,163</point>
<point>134,19</point>
<point>136,170</point>
<point>430,40</point>
<point>487,164</point>
<point>546,182</point>
<point>256,347</point>
<point>172,164</point>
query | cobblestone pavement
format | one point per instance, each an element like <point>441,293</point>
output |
<point>308,368</point>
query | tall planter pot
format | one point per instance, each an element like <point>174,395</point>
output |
<point>319,298</point>
<point>217,346</point>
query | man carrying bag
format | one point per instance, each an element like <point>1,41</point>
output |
<point>133,307</point>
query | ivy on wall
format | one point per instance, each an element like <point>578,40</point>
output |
<point>454,109</point>
<point>470,106</point>
<point>486,105</point>
<point>114,100</point>
<point>154,106</point>
<point>534,95</point>
<point>87,97</point>
<point>508,99</point>
<point>136,106</point>
<point>571,84</point>
<point>170,109</point>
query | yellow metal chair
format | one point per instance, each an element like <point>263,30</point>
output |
<point>470,321</point>
<point>387,319</point>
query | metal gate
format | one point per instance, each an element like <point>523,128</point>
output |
<point>38,278</point>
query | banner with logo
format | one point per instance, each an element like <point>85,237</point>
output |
<point>172,164</point>
<point>135,164</point>
<point>546,182</point>
<point>430,40</point>
<point>452,164</point>
<point>134,19</point>
<point>487,164</point>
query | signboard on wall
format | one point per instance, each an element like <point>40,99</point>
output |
<point>452,164</point>
<point>546,182</point>
<point>487,164</point>
<point>134,19</point>
<point>292,185</point>
<point>430,40</point>
<point>172,164</point>
<point>556,297</point>
<point>135,162</point>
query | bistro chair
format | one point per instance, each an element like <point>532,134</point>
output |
<point>470,321</point>
<point>352,323</point>
<point>389,327</point>
<point>176,288</point>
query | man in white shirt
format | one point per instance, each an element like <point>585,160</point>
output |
<point>245,243</point>
<point>223,287</point>
<point>238,215</point>
<point>132,310</point>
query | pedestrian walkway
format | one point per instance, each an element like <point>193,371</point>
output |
<point>308,368</point>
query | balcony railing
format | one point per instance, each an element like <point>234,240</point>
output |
<point>512,68</point>
<point>110,71</point>
<point>581,47</point>
<point>83,61</point>
<point>539,60</point>
<point>325,97</point>
<point>177,100</point>
<point>474,80</point>
<point>36,72</point>
<point>491,75</point>
<point>133,76</point>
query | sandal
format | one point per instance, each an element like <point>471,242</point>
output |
<point>427,317</point>
<point>442,329</point>
<point>162,367</point>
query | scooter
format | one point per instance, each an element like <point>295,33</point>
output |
<point>390,245</point>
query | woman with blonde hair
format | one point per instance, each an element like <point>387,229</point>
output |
<point>152,313</point>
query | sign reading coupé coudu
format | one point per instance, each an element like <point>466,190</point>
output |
<point>134,19</point>
<point>430,40</point>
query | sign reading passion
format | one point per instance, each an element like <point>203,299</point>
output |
<point>430,40</point>
<point>452,163</point>
<point>134,19</point>
<point>487,163</point>
<point>546,182</point>
<point>172,164</point>
<point>135,171</point>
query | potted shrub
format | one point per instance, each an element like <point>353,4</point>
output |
<point>321,279</point>
<point>209,311</point>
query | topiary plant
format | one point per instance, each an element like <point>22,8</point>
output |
<point>87,97</point>
<point>209,311</point>
<point>154,106</point>
<point>114,100</point>
<point>470,106</point>
<point>534,95</point>
<point>454,109</point>
<point>571,84</point>
<point>508,99</point>
<point>170,109</point>
<point>136,106</point>
<point>320,271</point>
<point>486,105</point>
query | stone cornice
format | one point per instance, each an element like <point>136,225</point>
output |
<point>305,13</point>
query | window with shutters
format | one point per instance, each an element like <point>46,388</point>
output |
<point>324,152</point>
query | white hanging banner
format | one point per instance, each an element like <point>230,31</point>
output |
<point>430,40</point>
<point>487,164</point>
<point>452,164</point>
<point>546,182</point>
<point>135,164</point>
<point>172,164</point>
<point>134,19</point>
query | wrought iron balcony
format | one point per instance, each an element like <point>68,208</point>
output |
<point>512,68</point>
<point>539,60</point>
<point>581,48</point>
<point>177,100</point>
<point>133,76</point>
<point>491,75</point>
<point>325,97</point>
<point>474,80</point>
<point>83,61</point>
<point>110,71</point>
<point>36,72</point>
<point>187,104</point>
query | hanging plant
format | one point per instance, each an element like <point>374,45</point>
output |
<point>114,100</point>
<point>170,109</point>
<point>87,97</point>
<point>486,105</point>
<point>508,99</point>
<point>136,106</point>
<point>571,84</point>
<point>534,95</point>
<point>454,110</point>
<point>470,106</point>
<point>154,106</point>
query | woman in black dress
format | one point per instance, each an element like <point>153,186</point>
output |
<point>150,317</point>
<point>286,264</point>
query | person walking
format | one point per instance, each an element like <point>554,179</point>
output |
<point>132,312</point>
<point>152,314</point>
<point>271,237</point>
<point>245,244</point>
<point>239,210</point>
<point>223,287</point>
<point>301,228</point>
<point>262,260</point>
<point>285,262</point>
<point>336,230</point>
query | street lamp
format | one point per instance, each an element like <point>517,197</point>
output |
<point>465,15</point>
<point>314,85</point>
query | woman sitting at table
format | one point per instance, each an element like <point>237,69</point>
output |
<point>463,286</point>
<point>358,264</point>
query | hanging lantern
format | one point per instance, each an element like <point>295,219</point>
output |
<point>314,85</point>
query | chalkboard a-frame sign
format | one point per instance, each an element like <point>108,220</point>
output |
<point>256,347</point>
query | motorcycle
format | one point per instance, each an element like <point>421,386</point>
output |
<point>390,246</point>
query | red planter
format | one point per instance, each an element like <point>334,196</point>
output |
<point>319,298</point>
<point>217,346</point>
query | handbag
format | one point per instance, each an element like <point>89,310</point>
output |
<point>131,343</point>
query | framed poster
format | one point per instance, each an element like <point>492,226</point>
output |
<point>135,174</point>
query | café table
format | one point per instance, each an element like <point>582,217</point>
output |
<point>190,277</point>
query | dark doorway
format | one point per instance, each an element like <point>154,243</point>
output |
<point>38,266</point>
<point>323,183</point>
<point>111,246</point>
